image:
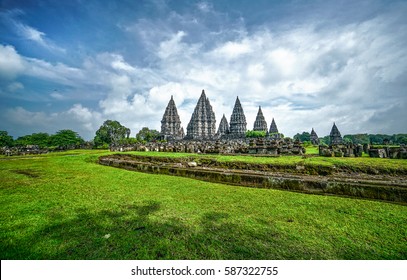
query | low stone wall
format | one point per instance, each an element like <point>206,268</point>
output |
<point>367,188</point>
<point>389,152</point>
<point>263,146</point>
<point>27,150</point>
<point>35,150</point>
<point>341,150</point>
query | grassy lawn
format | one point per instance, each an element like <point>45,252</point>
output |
<point>361,164</point>
<point>66,206</point>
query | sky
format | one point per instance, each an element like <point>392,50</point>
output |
<point>74,64</point>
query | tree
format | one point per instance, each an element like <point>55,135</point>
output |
<point>357,138</point>
<point>66,138</point>
<point>40,139</point>
<point>5,139</point>
<point>255,134</point>
<point>146,134</point>
<point>111,132</point>
<point>303,137</point>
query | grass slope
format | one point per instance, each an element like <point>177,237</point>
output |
<point>349,164</point>
<point>65,206</point>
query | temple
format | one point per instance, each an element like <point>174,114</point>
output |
<point>260,123</point>
<point>171,124</point>
<point>314,137</point>
<point>335,136</point>
<point>202,125</point>
<point>238,121</point>
<point>223,129</point>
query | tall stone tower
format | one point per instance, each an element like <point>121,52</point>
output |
<point>260,124</point>
<point>171,124</point>
<point>203,123</point>
<point>314,137</point>
<point>238,121</point>
<point>335,136</point>
<point>273,127</point>
<point>223,127</point>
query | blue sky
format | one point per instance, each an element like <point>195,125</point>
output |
<point>74,64</point>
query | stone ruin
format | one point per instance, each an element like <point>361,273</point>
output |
<point>341,150</point>
<point>171,124</point>
<point>314,137</point>
<point>23,150</point>
<point>389,152</point>
<point>223,129</point>
<point>237,122</point>
<point>202,137</point>
<point>273,132</point>
<point>202,125</point>
<point>230,138</point>
<point>337,148</point>
<point>260,123</point>
<point>253,146</point>
<point>335,136</point>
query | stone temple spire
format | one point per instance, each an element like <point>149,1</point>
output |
<point>314,137</point>
<point>273,127</point>
<point>335,136</point>
<point>170,124</point>
<point>203,123</point>
<point>238,121</point>
<point>223,127</point>
<point>260,124</point>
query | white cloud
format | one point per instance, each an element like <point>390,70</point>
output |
<point>78,118</point>
<point>11,64</point>
<point>32,34</point>
<point>172,46</point>
<point>204,6</point>
<point>15,86</point>
<point>233,50</point>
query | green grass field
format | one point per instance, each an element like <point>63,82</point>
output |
<point>66,206</point>
<point>359,164</point>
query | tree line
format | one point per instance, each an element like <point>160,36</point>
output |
<point>109,133</point>
<point>113,133</point>
<point>372,139</point>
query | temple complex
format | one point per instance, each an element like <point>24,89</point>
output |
<point>231,138</point>
<point>314,137</point>
<point>238,121</point>
<point>335,136</point>
<point>171,124</point>
<point>203,123</point>
<point>260,123</point>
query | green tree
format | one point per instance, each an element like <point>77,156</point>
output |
<point>66,138</point>
<point>399,139</point>
<point>324,140</point>
<point>255,134</point>
<point>303,137</point>
<point>357,138</point>
<point>40,139</point>
<point>146,134</point>
<point>111,132</point>
<point>5,139</point>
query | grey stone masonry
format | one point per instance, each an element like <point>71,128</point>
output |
<point>335,136</point>
<point>273,127</point>
<point>171,124</point>
<point>238,121</point>
<point>260,123</point>
<point>203,123</point>
<point>314,137</point>
<point>223,127</point>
